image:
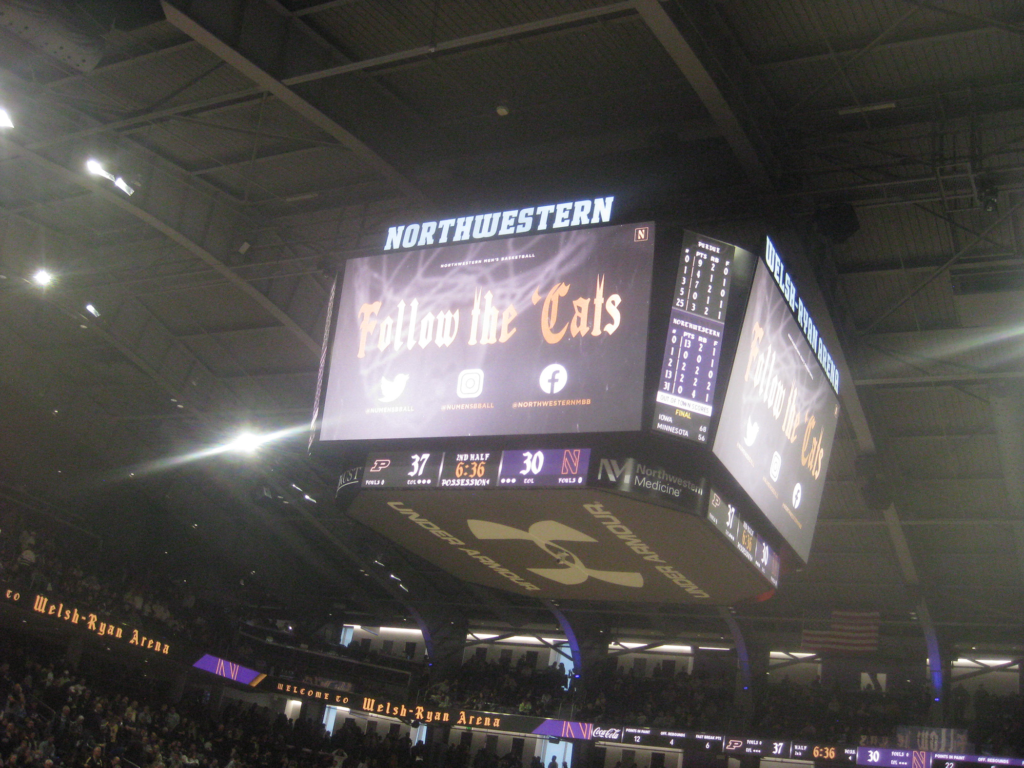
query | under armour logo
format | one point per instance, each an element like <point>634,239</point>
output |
<point>544,534</point>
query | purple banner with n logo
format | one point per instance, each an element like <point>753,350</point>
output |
<point>230,670</point>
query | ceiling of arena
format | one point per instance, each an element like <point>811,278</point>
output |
<point>268,139</point>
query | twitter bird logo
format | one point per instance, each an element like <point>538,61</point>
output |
<point>392,389</point>
<point>752,430</point>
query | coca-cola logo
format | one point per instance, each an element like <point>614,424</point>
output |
<point>610,734</point>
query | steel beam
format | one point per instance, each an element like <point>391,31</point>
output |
<point>1008,415</point>
<point>232,166</point>
<point>244,60</point>
<point>575,654</point>
<point>1001,220</point>
<point>130,327</point>
<point>200,106</point>
<point>958,33</point>
<point>326,5</point>
<point>949,356</point>
<point>114,66</point>
<point>986,668</point>
<point>197,214</point>
<point>814,658</point>
<point>696,71</point>
<point>493,36</point>
<point>211,225</point>
<point>912,581</point>
<point>742,657</point>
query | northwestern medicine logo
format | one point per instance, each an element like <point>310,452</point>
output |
<point>629,473</point>
<point>545,534</point>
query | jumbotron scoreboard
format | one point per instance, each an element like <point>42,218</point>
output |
<point>549,403</point>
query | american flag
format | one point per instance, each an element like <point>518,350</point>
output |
<point>848,632</point>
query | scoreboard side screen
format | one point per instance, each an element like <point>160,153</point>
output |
<point>781,407</point>
<point>710,284</point>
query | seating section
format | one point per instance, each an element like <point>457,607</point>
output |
<point>50,714</point>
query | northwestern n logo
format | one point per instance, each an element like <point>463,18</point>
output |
<point>544,534</point>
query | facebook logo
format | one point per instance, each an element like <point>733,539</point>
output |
<point>553,379</point>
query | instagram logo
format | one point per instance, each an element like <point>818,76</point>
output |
<point>470,383</point>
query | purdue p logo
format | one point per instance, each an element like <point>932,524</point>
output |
<point>544,534</point>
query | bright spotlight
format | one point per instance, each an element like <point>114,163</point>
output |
<point>92,310</point>
<point>95,167</point>
<point>246,442</point>
<point>5,119</point>
<point>123,186</point>
<point>42,278</point>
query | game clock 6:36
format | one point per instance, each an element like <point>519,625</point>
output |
<point>469,469</point>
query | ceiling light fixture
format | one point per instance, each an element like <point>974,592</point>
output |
<point>502,110</point>
<point>92,310</point>
<point>95,167</point>
<point>42,278</point>
<point>5,119</point>
<point>123,186</point>
<point>245,442</point>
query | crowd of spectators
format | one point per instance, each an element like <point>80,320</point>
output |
<point>673,700</point>
<point>833,715</point>
<point>53,719</point>
<point>34,561</point>
<point>995,723</point>
<point>500,686</point>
